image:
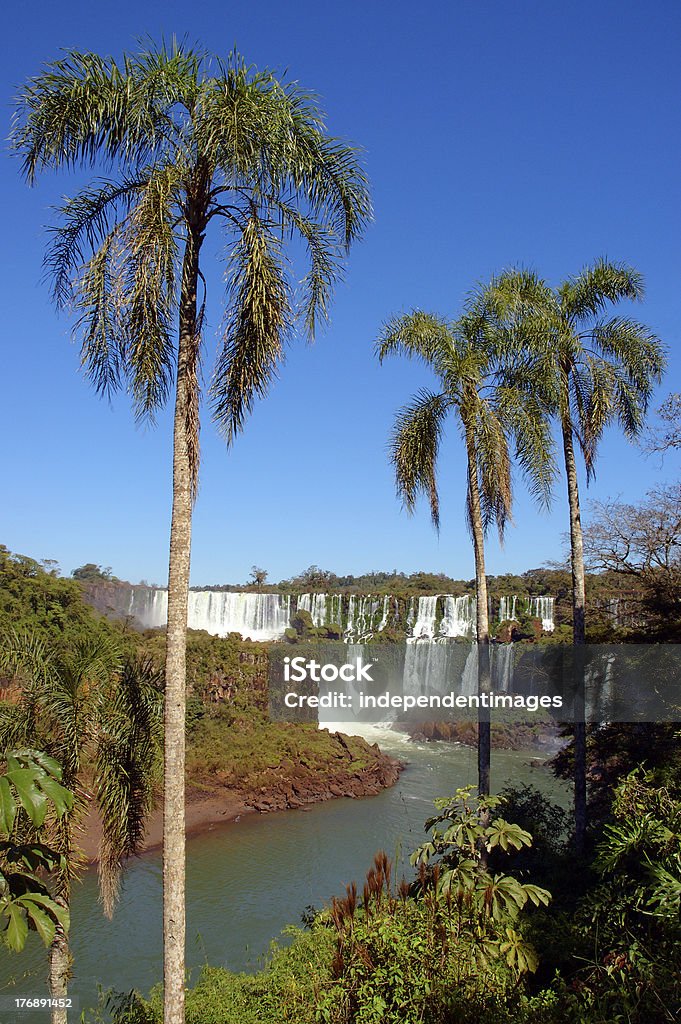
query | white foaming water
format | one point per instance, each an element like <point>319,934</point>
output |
<point>315,604</point>
<point>425,618</point>
<point>459,617</point>
<point>543,608</point>
<point>220,612</point>
<point>507,608</point>
<point>267,616</point>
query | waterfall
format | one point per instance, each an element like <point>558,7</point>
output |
<point>614,611</point>
<point>384,614</point>
<point>459,617</point>
<point>315,604</point>
<point>256,616</point>
<point>507,608</point>
<point>543,608</point>
<point>501,664</point>
<point>267,616</point>
<point>349,626</point>
<point>425,618</point>
<point>149,607</point>
<point>335,609</point>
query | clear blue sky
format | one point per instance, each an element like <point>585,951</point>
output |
<point>495,133</point>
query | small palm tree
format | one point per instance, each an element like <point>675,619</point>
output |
<point>496,420</point>
<point>101,718</point>
<point>188,143</point>
<point>593,370</point>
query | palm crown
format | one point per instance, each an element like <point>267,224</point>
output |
<point>497,419</point>
<point>187,142</point>
<point>593,369</point>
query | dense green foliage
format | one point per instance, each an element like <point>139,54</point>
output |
<point>33,597</point>
<point>31,799</point>
<point>474,937</point>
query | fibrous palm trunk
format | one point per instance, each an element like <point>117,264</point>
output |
<point>59,967</point>
<point>482,620</point>
<point>184,453</point>
<point>579,632</point>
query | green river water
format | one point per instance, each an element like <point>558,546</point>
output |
<point>248,879</point>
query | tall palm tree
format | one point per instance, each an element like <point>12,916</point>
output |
<point>187,142</point>
<point>593,370</point>
<point>496,419</point>
<point>100,717</point>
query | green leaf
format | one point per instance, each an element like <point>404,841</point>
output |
<point>8,807</point>
<point>42,923</point>
<point>61,797</point>
<point>60,913</point>
<point>32,800</point>
<point>16,933</point>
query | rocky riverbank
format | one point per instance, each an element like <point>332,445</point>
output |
<point>352,768</point>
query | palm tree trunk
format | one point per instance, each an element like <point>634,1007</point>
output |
<point>578,625</point>
<point>184,468</point>
<point>59,968</point>
<point>482,617</point>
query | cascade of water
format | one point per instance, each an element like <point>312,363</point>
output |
<point>614,611</point>
<point>469,679</point>
<point>501,663</point>
<point>266,616</point>
<point>257,616</point>
<point>350,624</point>
<point>384,614</point>
<point>335,609</point>
<point>425,618</point>
<point>315,604</point>
<point>507,608</point>
<point>543,608</point>
<point>459,617</point>
<point>149,607</point>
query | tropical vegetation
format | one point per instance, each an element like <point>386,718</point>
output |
<point>32,798</point>
<point>99,716</point>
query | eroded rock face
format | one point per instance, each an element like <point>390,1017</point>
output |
<point>294,785</point>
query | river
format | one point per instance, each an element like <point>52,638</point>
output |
<point>248,879</point>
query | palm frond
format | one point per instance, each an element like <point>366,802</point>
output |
<point>149,291</point>
<point>414,449</point>
<point>596,287</point>
<point>128,753</point>
<point>258,322</point>
<point>420,335</point>
<point>324,258</point>
<point>86,222</point>
<point>634,347</point>
<point>493,463</point>
<point>528,422</point>
<point>84,108</point>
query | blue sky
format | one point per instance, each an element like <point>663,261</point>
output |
<point>495,134</point>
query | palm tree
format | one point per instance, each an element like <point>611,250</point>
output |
<point>188,142</point>
<point>100,717</point>
<point>593,370</point>
<point>493,417</point>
